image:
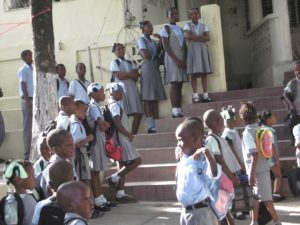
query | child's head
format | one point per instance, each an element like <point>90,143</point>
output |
<point>189,135</point>
<point>56,177</point>
<point>75,197</point>
<point>146,27</point>
<point>172,15</point>
<point>96,92</point>
<point>194,14</point>
<point>20,173</point>
<point>119,50</point>
<point>67,104</point>
<point>26,56</point>
<point>44,149</point>
<point>80,109</point>
<point>231,119</point>
<point>61,142</point>
<point>248,113</point>
<point>116,90</point>
<point>297,69</point>
<point>80,70</point>
<point>213,121</point>
<point>267,118</point>
<point>61,71</point>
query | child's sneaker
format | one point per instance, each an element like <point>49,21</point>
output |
<point>278,197</point>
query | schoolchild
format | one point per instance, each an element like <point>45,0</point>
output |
<point>98,159</point>
<point>220,149</point>
<point>257,167</point>
<point>62,83</point>
<point>75,199</point>
<point>193,175</point>
<point>56,178</point>
<point>61,143</point>
<point>267,119</point>
<point>198,58</point>
<point>21,175</point>
<point>81,141</point>
<point>152,89</point>
<point>45,154</point>
<point>125,71</point>
<point>175,60</point>
<point>131,158</point>
<point>78,87</point>
<point>296,134</point>
<point>66,109</point>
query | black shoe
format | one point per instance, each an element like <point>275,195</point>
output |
<point>97,214</point>
<point>126,199</point>
<point>239,216</point>
<point>278,197</point>
<point>103,207</point>
<point>177,116</point>
<point>111,204</point>
<point>151,130</point>
<point>208,99</point>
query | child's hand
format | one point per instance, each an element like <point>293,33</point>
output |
<point>198,153</point>
<point>130,137</point>
<point>90,137</point>
<point>106,125</point>
<point>253,179</point>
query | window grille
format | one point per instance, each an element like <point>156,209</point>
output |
<point>294,13</point>
<point>267,7</point>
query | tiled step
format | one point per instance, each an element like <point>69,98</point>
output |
<point>13,119</point>
<point>149,172</point>
<point>261,103</point>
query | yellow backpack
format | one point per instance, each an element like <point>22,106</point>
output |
<point>264,142</point>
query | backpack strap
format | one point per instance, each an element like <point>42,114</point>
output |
<point>168,29</point>
<point>82,84</point>
<point>20,208</point>
<point>41,163</point>
<point>69,220</point>
<point>57,84</point>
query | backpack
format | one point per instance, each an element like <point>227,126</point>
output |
<point>51,125</point>
<point>20,208</point>
<point>113,76</point>
<point>264,142</point>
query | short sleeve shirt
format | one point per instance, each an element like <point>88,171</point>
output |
<point>77,90</point>
<point>62,88</point>
<point>37,166</point>
<point>94,111</point>
<point>199,28</point>
<point>25,74</point>
<point>296,133</point>
<point>63,121</point>
<point>177,31</point>
<point>77,130</point>
<point>288,89</point>
<point>128,65</point>
<point>150,45</point>
<point>78,221</point>
<point>232,135</point>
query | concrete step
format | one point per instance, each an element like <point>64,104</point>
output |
<point>149,172</point>
<point>7,103</point>
<point>261,103</point>
<point>157,155</point>
<point>13,119</point>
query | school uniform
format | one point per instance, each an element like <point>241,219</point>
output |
<point>38,208</point>
<point>212,145</point>
<point>63,86</point>
<point>132,99</point>
<point>98,159</point>
<point>198,58</point>
<point>152,88</point>
<point>192,191</point>
<point>288,90</point>
<point>25,74</point>
<point>263,186</point>
<point>77,90</point>
<point>174,73</point>
<point>232,136</point>
<point>73,221</point>
<point>11,209</point>
<point>81,156</point>
<point>296,133</point>
<point>129,150</point>
<point>40,165</point>
<point>63,121</point>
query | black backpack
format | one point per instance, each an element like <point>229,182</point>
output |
<point>20,208</point>
<point>51,125</point>
<point>109,118</point>
<point>294,181</point>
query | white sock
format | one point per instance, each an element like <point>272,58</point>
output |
<point>120,193</point>
<point>179,110</point>
<point>175,111</point>
<point>115,178</point>
<point>150,122</point>
<point>98,201</point>
<point>205,95</point>
<point>195,95</point>
<point>103,198</point>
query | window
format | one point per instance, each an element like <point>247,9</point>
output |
<point>294,13</point>
<point>246,13</point>
<point>267,7</point>
<point>15,4</point>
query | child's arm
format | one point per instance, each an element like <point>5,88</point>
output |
<point>121,128</point>
<point>134,75</point>
<point>242,165</point>
<point>276,156</point>
<point>85,141</point>
<point>226,170</point>
<point>290,103</point>
<point>253,169</point>
<point>170,52</point>
<point>102,125</point>
<point>201,38</point>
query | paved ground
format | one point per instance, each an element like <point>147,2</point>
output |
<point>167,213</point>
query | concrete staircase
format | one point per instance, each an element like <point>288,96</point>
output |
<point>154,180</point>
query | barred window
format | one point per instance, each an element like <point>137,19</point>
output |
<point>294,13</point>
<point>15,4</point>
<point>267,7</point>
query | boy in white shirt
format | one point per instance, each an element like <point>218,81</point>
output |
<point>296,133</point>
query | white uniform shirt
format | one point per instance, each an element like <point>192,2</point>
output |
<point>63,121</point>
<point>114,67</point>
<point>192,180</point>
<point>296,133</point>
<point>25,74</point>
<point>234,137</point>
<point>94,111</point>
<point>197,28</point>
<point>212,145</point>
<point>141,44</point>
<point>37,166</point>
<point>79,221</point>
<point>288,89</point>
<point>38,208</point>
<point>62,88</point>
<point>77,130</point>
<point>177,31</point>
<point>77,90</point>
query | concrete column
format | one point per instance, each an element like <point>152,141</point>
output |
<point>255,12</point>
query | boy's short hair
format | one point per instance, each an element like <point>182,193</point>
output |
<point>40,141</point>
<point>25,53</point>
<point>56,177</point>
<point>248,112</point>
<point>79,103</point>
<point>194,126</point>
<point>59,65</point>
<point>210,117</point>
<point>56,137</point>
<point>67,192</point>
<point>64,100</point>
